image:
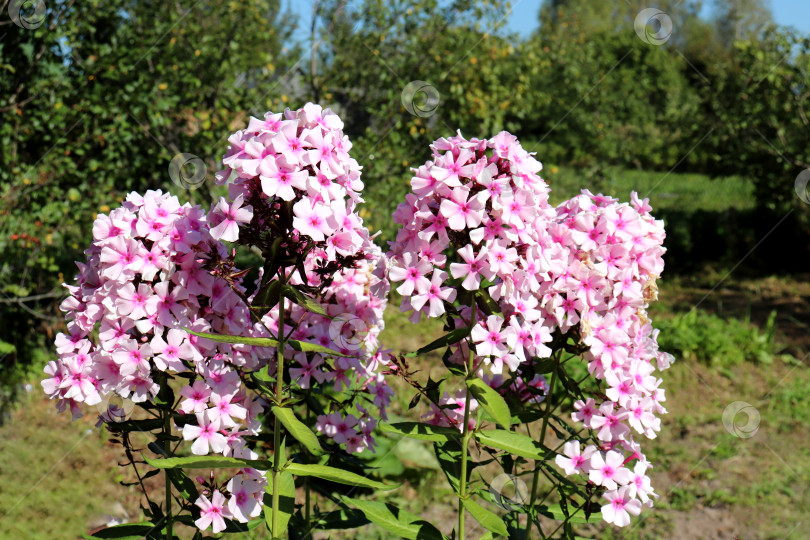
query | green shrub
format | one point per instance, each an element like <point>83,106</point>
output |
<point>707,338</point>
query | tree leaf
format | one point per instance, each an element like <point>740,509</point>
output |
<point>491,401</point>
<point>208,462</point>
<point>336,475</point>
<point>286,500</point>
<point>396,521</point>
<point>299,430</point>
<point>448,339</point>
<point>421,431</point>
<point>512,442</point>
<point>488,519</point>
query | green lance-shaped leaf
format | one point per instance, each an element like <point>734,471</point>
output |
<point>556,512</point>
<point>266,342</point>
<point>224,338</point>
<point>127,531</point>
<point>423,432</point>
<point>269,295</point>
<point>396,521</point>
<point>335,475</point>
<point>286,500</point>
<point>298,429</point>
<point>515,443</point>
<point>486,303</point>
<point>341,518</point>
<point>208,462</point>
<point>449,456</point>
<point>448,339</point>
<point>310,304</point>
<point>489,520</point>
<point>184,485</point>
<point>491,401</point>
<point>312,347</point>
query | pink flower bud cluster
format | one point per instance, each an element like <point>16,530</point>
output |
<point>479,210</point>
<point>152,269</point>
<point>303,189</point>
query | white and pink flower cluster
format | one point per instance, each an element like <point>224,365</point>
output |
<point>303,188</point>
<point>480,210</point>
<point>143,281</point>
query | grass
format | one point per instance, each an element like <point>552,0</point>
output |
<point>665,190</point>
<point>57,477</point>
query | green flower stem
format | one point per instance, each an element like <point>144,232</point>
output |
<point>276,431</point>
<point>306,483</point>
<point>466,433</point>
<point>543,430</point>
<point>167,430</point>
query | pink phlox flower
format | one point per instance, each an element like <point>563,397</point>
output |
<point>212,513</point>
<point>206,434</point>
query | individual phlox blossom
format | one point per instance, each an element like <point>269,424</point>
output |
<point>245,500</point>
<point>206,435</point>
<point>609,470</point>
<point>229,216</point>
<point>573,460</point>
<point>620,506</point>
<point>212,512</point>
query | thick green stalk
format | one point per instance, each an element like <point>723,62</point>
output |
<point>276,431</point>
